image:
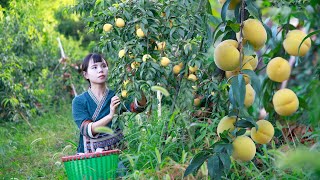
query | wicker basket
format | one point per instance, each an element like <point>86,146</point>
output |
<point>101,165</point>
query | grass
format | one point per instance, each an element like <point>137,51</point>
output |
<point>150,155</point>
<point>37,155</point>
<point>32,155</point>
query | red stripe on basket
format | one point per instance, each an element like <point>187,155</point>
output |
<point>90,155</point>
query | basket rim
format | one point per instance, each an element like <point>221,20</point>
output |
<point>90,155</point>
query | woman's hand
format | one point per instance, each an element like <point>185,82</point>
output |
<point>115,101</point>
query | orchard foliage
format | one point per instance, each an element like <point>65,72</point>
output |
<point>173,33</point>
<point>218,70</point>
<point>22,46</point>
<point>31,76</point>
<point>182,46</point>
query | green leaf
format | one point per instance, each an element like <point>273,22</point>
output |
<point>288,26</point>
<point>268,30</point>
<point>234,26</point>
<point>224,10</point>
<point>243,124</point>
<point>242,89</point>
<point>241,132</point>
<point>233,112</point>
<point>200,138</point>
<point>237,12</point>
<point>247,122</point>
<point>229,35</point>
<point>253,9</point>
<point>156,66</point>
<point>229,149</point>
<point>220,147</point>
<point>150,13</point>
<point>196,162</point>
<point>144,21</point>
<point>5,101</point>
<point>309,35</point>
<point>172,31</point>
<point>181,33</point>
<point>238,90</point>
<point>215,167</point>
<point>161,89</point>
<point>301,15</point>
<point>225,138</point>
<point>226,161</point>
<point>74,144</point>
<point>267,94</point>
<point>158,155</point>
<point>248,49</point>
<point>213,21</point>
<point>208,6</point>
<point>217,34</point>
<point>231,98</point>
<point>244,112</point>
<point>187,48</point>
<point>103,129</point>
<point>209,37</point>
<point>198,124</point>
<point>172,118</point>
<point>255,81</point>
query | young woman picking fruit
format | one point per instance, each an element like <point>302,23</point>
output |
<point>97,106</point>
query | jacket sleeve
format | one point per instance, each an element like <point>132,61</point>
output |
<point>81,116</point>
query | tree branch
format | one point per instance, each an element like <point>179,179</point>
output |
<point>240,46</point>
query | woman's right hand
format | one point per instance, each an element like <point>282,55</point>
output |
<point>115,101</point>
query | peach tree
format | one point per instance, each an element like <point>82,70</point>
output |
<point>238,56</point>
<point>213,67</point>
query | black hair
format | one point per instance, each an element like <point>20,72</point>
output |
<point>95,57</point>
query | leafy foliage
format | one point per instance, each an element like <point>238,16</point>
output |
<point>31,75</point>
<point>190,31</point>
<point>172,23</point>
<point>71,26</point>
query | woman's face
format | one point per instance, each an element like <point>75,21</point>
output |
<point>97,73</point>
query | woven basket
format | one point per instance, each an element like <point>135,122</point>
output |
<point>101,165</point>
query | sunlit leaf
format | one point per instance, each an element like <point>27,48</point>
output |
<point>224,10</point>
<point>161,89</point>
<point>103,129</point>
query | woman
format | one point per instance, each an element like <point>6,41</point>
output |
<point>97,106</point>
